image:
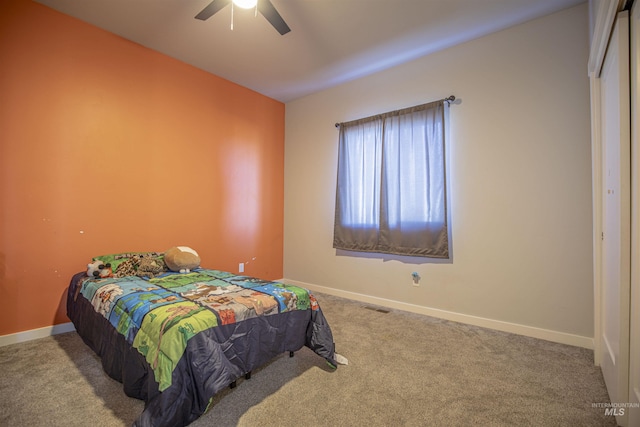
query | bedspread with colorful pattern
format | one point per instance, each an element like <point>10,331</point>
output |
<point>158,316</point>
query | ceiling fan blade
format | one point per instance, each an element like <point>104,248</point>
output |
<point>211,9</point>
<point>271,14</point>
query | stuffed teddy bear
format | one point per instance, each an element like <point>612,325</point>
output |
<point>99,269</point>
<point>181,259</point>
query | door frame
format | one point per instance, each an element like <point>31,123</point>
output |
<point>634,314</point>
<point>605,19</point>
<point>605,13</point>
<point>616,241</point>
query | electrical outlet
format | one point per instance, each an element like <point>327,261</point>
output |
<point>416,279</point>
<point>241,267</point>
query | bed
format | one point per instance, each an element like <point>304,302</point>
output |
<point>175,340</point>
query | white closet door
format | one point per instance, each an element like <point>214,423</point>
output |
<point>616,248</point>
<point>634,336</point>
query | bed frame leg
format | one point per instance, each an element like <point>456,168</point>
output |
<point>247,376</point>
<point>291,354</point>
<point>232,385</point>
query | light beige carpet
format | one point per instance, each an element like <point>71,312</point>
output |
<point>404,370</point>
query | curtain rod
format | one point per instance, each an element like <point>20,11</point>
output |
<point>449,99</point>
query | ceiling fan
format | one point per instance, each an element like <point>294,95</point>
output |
<point>263,6</point>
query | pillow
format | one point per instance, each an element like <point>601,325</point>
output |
<point>116,259</point>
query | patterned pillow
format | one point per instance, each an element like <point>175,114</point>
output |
<point>116,259</point>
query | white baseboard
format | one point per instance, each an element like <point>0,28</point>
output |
<point>34,334</point>
<point>514,328</point>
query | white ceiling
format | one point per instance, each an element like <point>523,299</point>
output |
<point>331,41</point>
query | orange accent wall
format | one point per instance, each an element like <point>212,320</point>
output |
<point>107,146</point>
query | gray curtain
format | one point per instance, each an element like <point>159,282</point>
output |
<point>391,190</point>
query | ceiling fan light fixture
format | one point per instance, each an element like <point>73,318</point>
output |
<point>265,8</point>
<point>245,4</point>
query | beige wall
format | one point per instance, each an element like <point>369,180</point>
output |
<point>520,183</point>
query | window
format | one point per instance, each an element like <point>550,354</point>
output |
<point>391,194</point>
